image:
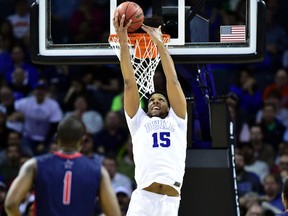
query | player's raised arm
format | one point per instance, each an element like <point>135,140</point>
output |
<point>20,187</point>
<point>131,95</point>
<point>107,196</point>
<point>174,91</point>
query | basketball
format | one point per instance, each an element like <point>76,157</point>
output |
<point>132,12</point>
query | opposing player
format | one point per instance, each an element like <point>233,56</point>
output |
<point>65,183</point>
<point>158,136</point>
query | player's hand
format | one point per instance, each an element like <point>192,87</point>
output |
<point>155,33</point>
<point>120,29</point>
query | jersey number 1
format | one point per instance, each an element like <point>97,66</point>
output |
<point>161,139</point>
<point>67,187</point>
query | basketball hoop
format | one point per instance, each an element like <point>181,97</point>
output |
<point>144,58</point>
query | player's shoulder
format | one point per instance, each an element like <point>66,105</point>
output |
<point>44,157</point>
<point>95,160</point>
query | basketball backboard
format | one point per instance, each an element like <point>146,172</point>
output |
<point>201,31</point>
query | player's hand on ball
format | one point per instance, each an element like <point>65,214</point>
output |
<point>120,29</point>
<point>155,33</point>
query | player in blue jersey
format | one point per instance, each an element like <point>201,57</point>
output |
<point>285,197</point>
<point>65,182</point>
<point>158,136</point>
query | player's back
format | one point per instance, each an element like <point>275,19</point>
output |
<point>66,185</point>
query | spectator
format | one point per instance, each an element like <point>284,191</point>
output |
<point>18,58</point>
<point>283,166</point>
<point>248,93</point>
<point>247,181</point>
<point>10,168</point>
<point>272,128</point>
<point>282,149</point>
<point>76,88</point>
<point>19,83</point>
<point>107,84</point>
<point>7,100</point>
<point>117,179</point>
<point>92,120</point>
<point>87,148</point>
<point>112,137</point>
<point>262,151</point>
<point>9,40</point>
<point>272,193</point>
<point>20,20</point>
<point>53,147</point>
<point>260,168</point>
<point>255,210</point>
<point>3,130</point>
<point>275,97</point>
<point>126,161</point>
<point>87,77</point>
<point>5,58</point>
<point>280,84</point>
<point>247,201</point>
<point>123,197</point>
<point>13,138</point>
<point>40,115</point>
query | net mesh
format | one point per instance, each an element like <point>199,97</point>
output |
<point>144,59</point>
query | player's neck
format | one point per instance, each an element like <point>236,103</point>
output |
<point>68,150</point>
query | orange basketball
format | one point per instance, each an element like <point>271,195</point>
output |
<point>132,12</point>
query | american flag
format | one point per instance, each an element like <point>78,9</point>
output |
<point>233,33</point>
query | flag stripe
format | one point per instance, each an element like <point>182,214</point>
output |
<point>233,33</point>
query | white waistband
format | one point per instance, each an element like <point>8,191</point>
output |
<point>157,197</point>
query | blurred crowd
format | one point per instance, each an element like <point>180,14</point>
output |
<point>34,98</point>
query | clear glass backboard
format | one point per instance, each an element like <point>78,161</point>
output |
<point>211,31</point>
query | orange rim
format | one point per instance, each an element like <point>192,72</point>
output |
<point>137,36</point>
<point>144,47</point>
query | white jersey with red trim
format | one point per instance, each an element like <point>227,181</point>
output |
<point>159,148</point>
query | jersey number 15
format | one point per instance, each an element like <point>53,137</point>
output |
<point>161,139</point>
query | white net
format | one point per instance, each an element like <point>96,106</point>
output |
<point>144,59</point>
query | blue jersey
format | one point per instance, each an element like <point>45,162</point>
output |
<point>66,185</point>
<point>283,214</point>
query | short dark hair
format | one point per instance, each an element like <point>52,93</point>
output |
<point>70,130</point>
<point>162,93</point>
<point>285,189</point>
